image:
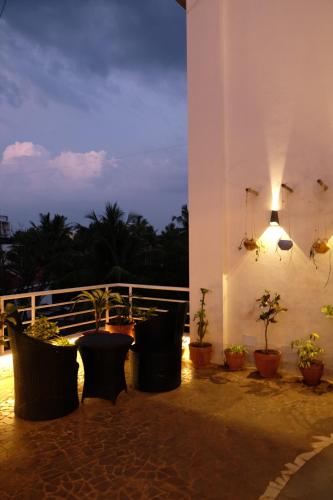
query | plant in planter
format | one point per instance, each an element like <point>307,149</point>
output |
<point>46,330</point>
<point>327,310</point>
<point>100,300</point>
<point>5,318</point>
<point>125,316</point>
<point>200,351</point>
<point>267,360</point>
<point>310,366</point>
<point>235,356</point>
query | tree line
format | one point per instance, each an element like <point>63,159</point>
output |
<point>111,248</point>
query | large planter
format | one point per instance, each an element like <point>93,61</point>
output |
<point>313,373</point>
<point>235,360</point>
<point>267,363</point>
<point>200,355</point>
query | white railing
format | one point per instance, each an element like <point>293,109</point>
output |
<point>58,305</point>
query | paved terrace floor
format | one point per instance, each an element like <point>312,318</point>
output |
<point>221,435</point>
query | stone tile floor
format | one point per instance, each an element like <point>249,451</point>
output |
<point>221,435</point>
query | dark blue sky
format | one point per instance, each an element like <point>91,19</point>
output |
<point>92,108</point>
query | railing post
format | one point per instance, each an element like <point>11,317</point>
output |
<point>130,301</point>
<point>107,312</point>
<point>33,308</point>
<point>2,328</point>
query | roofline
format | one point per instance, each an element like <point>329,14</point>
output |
<point>182,3</point>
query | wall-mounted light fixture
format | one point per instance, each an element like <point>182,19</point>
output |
<point>274,221</point>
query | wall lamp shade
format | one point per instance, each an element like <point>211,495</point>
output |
<point>274,221</point>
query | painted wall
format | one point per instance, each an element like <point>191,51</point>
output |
<point>260,78</point>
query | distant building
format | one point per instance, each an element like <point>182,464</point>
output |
<point>5,231</point>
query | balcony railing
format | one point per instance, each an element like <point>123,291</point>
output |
<point>58,305</point>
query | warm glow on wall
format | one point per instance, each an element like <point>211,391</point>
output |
<point>276,187</point>
<point>273,234</point>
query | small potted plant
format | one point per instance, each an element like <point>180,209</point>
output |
<point>235,356</point>
<point>311,367</point>
<point>267,360</point>
<point>101,301</point>
<point>200,351</point>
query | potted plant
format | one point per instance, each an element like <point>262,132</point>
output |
<point>310,366</point>
<point>200,351</point>
<point>125,316</point>
<point>46,330</point>
<point>251,244</point>
<point>267,360</point>
<point>235,356</point>
<point>6,317</point>
<point>100,300</point>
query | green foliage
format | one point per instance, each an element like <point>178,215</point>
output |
<point>6,317</point>
<point>201,317</point>
<point>112,247</point>
<point>126,313</point>
<point>307,350</point>
<point>46,330</point>
<point>270,306</point>
<point>237,348</point>
<point>100,300</point>
<point>327,310</point>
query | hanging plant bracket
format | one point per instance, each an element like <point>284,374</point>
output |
<point>252,191</point>
<point>322,184</point>
<point>285,186</point>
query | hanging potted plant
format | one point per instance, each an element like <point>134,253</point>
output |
<point>311,367</point>
<point>320,245</point>
<point>235,356</point>
<point>251,244</point>
<point>285,244</point>
<point>200,351</point>
<point>267,360</point>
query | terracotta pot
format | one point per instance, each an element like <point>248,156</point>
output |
<point>267,363</point>
<point>124,329</point>
<point>321,246</point>
<point>200,355</point>
<point>313,373</point>
<point>235,360</point>
<point>250,244</point>
<point>285,244</point>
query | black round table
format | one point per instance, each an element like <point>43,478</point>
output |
<point>103,356</point>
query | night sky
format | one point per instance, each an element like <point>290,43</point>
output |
<point>92,108</point>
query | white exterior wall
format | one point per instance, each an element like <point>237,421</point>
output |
<point>260,76</point>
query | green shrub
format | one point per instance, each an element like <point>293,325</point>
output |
<point>46,330</point>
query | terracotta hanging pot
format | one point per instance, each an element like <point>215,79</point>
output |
<point>285,244</point>
<point>250,244</point>
<point>321,246</point>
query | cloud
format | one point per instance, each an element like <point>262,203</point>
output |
<point>22,149</point>
<point>34,163</point>
<point>79,166</point>
<point>74,183</point>
<point>75,50</point>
